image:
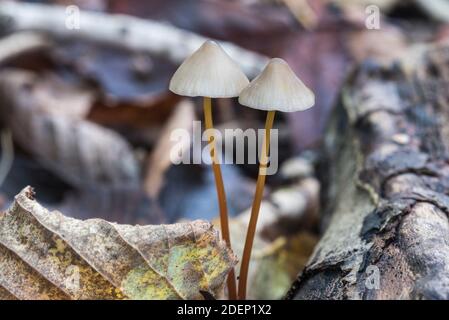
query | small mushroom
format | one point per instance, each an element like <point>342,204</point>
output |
<point>277,88</point>
<point>210,73</point>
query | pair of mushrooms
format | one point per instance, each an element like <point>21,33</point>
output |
<point>210,73</point>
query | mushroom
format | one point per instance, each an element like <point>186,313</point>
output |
<point>277,88</point>
<point>210,73</point>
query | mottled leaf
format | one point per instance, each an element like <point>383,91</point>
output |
<point>45,255</point>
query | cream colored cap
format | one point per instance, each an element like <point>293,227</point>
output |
<point>277,88</point>
<point>209,72</point>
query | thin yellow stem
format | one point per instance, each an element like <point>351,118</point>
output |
<point>256,207</point>
<point>224,223</point>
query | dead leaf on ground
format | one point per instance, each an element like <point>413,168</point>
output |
<point>120,73</point>
<point>45,255</point>
<point>5,295</point>
<point>134,99</point>
<point>81,152</point>
<point>140,124</point>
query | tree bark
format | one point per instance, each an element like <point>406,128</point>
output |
<point>386,187</point>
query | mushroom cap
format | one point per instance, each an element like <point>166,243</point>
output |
<point>209,72</point>
<point>277,88</point>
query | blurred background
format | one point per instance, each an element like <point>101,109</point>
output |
<point>86,113</point>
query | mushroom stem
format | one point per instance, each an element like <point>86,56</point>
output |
<point>243,277</point>
<point>224,223</point>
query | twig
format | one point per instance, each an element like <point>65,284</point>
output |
<point>135,33</point>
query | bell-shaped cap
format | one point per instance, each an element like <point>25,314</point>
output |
<point>209,72</point>
<point>277,88</point>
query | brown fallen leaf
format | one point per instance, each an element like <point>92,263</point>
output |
<point>81,152</point>
<point>45,255</point>
<point>122,74</point>
<point>138,123</point>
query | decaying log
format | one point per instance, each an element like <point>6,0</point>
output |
<point>386,188</point>
<point>134,33</point>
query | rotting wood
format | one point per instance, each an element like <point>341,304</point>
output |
<point>386,186</point>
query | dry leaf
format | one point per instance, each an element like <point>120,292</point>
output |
<point>5,295</point>
<point>45,255</point>
<point>121,73</point>
<point>81,152</point>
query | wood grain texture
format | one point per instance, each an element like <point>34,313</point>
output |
<point>386,186</point>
